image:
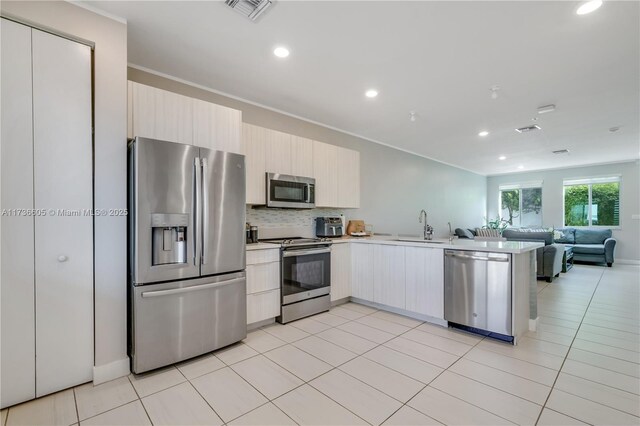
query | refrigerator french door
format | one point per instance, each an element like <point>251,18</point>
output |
<point>187,252</point>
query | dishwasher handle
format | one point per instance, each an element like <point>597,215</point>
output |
<point>481,258</point>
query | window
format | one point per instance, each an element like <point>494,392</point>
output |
<point>592,202</point>
<point>521,204</point>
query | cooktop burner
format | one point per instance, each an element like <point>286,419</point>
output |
<point>297,241</point>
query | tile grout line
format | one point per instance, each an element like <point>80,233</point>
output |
<point>75,403</point>
<point>139,399</point>
<point>553,387</point>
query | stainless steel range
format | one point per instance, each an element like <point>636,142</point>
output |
<point>305,277</point>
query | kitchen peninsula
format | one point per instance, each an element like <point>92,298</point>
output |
<point>407,275</point>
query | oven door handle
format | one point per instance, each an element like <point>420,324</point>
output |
<point>291,253</point>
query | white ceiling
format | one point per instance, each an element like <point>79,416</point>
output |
<point>437,58</point>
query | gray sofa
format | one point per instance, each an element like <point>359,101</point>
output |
<point>548,258</point>
<point>589,245</point>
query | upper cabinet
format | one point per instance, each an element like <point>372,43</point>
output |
<point>335,169</point>
<point>216,127</point>
<point>278,152</point>
<point>325,170</point>
<point>159,114</point>
<point>301,156</point>
<point>348,178</point>
<point>253,141</point>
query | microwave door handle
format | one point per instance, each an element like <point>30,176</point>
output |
<point>196,209</point>
<point>307,193</point>
<point>205,212</point>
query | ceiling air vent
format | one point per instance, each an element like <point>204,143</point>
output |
<point>528,128</point>
<point>249,8</point>
<point>561,151</point>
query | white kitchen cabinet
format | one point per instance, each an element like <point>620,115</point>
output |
<point>253,141</point>
<point>340,271</point>
<point>362,271</point>
<point>278,152</point>
<point>47,262</point>
<point>159,114</point>
<point>263,284</point>
<point>301,156</point>
<point>389,275</point>
<point>325,171</point>
<point>216,127</point>
<point>263,306</point>
<point>348,166</point>
<point>425,281</point>
<point>262,277</point>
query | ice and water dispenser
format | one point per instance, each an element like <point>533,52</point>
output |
<point>169,238</point>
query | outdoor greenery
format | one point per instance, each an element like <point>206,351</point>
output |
<point>531,203</point>
<point>605,204</point>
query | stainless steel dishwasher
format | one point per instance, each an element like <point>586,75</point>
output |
<point>477,290</point>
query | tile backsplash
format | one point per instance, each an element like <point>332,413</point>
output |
<point>267,218</point>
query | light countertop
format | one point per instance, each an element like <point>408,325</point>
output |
<point>513,247</point>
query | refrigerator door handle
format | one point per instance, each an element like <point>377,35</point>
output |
<point>196,210</point>
<point>205,212</point>
<point>158,293</point>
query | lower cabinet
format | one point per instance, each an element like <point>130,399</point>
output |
<point>263,306</point>
<point>340,271</point>
<point>409,278</point>
<point>263,285</point>
<point>388,275</point>
<point>424,289</point>
<point>362,271</point>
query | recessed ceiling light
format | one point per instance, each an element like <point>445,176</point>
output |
<point>589,6</point>
<point>483,133</point>
<point>371,93</point>
<point>281,52</point>
<point>502,157</point>
<point>520,167</point>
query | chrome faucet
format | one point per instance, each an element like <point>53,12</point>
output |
<point>428,229</point>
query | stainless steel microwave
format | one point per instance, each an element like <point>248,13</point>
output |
<point>293,192</point>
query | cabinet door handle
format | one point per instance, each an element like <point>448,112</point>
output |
<point>62,258</point>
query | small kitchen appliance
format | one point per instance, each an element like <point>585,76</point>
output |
<point>290,192</point>
<point>329,227</point>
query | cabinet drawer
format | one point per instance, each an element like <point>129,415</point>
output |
<point>263,306</point>
<point>262,277</point>
<point>263,256</point>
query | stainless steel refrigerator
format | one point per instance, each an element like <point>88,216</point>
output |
<point>187,282</point>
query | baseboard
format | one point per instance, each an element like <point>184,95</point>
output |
<point>627,261</point>
<point>403,312</point>
<point>111,371</point>
<point>258,324</point>
<point>339,302</point>
<point>533,324</point>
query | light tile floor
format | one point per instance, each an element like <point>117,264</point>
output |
<point>358,365</point>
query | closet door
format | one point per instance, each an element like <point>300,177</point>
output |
<point>17,368</point>
<point>62,181</point>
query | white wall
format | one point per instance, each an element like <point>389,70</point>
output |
<point>110,73</point>
<point>394,185</point>
<point>628,236</point>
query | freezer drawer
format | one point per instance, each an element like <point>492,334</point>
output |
<point>175,321</point>
<point>478,290</point>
